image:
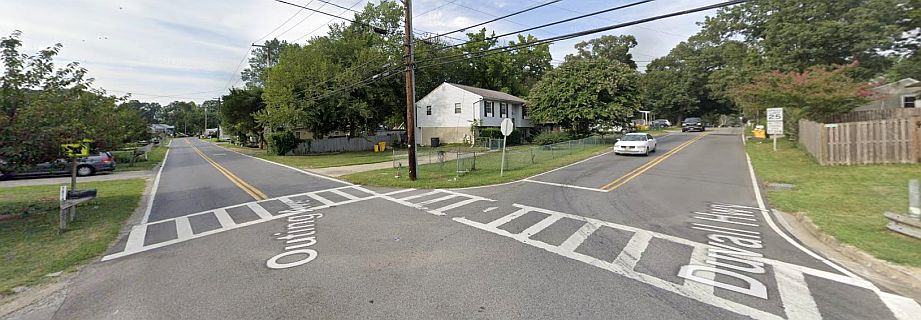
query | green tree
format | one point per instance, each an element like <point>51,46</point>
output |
<point>793,35</point>
<point>582,93</point>
<point>237,112</point>
<point>607,47</point>
<point>150,111</point>
<point>42,106</point>
<point>261,60</point>
<point>817,94</point>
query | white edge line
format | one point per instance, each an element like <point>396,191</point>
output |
<point>770,222</point>
<point>156,185</point>
<point>287,166</point>
<point>564,185</point>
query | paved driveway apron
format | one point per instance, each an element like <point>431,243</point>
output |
<point>525,250</point>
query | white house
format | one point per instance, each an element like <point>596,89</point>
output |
<point>449,111</point>
<point>900,94</point>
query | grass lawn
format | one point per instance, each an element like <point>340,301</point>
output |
<point>317,161</point>
<point>154,157</point>
<point>846,202</point>
<point>31,246</point>
<point>518,166</point>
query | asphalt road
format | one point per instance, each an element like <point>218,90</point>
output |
<point>677,235</point>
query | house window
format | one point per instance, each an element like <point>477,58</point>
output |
<point>910,101</point>
<point>503,110</point>
<point>524,112</point>
<point>428,110</point>
<point>488,109</point>
<point>457,108</point>
<point>297,134</point>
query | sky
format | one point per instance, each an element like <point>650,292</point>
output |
<point>162,51</point>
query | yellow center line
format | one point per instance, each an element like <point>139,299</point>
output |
<point>246,187</point>
<point>641,169</point>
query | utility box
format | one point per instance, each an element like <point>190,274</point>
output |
<point>436,141</point>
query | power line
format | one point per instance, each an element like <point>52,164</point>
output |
<point>283,23</point>
<point>443,60</point>
<point>376,29</point>
<point>465,56</point>
<point>325,24</point>
<point>495,19</point>
<point>557,22</point>
<point>612,20</point>
<point>436,8</point>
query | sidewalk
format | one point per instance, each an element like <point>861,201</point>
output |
<point>66,180</point>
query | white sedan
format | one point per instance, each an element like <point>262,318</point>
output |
<point>635,143</point>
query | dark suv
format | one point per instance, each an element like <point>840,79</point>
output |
<point>693,124</point>
<point>97,162</point>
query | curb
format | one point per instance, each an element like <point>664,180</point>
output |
<point>903,280</point>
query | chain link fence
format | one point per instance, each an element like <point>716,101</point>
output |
<point>486,156</point>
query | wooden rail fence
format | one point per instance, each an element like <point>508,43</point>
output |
<point>896,140</point>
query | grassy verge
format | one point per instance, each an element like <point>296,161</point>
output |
<point>521,162</point>
<point>846,202</point>
<point>31,246</point>
<point>154,157</point>
<point>317,161</point>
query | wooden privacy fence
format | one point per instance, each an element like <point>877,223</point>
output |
<point>863,142</point>
<point>883,114</point>
<point>342,144</point>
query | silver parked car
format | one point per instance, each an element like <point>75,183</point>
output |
<point>101,161</point>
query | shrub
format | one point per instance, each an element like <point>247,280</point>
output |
<point>282,142</point>
<point>550,138</point>
<point>496,133</point>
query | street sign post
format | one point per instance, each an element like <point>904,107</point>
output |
<point>506,127</point>
<point>775,124</point>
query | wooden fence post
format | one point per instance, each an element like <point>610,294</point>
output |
<point>916,138</point>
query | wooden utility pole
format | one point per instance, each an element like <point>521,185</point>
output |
<point>410,86</point>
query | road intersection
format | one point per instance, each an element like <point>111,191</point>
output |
<point>683,234</point>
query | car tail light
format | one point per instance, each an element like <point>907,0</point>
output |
<point>106,158</point>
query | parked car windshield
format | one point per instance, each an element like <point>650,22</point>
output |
<point>634,137</point>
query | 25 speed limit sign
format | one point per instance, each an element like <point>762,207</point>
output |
<point>775,121</point>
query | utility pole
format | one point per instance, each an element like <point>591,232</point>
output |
<point>410,86</point>
<point>205,131</point>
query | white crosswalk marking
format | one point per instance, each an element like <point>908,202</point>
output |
<point>577,238</point>
<point>183,228</point>
<point>344,194</point>
<point>259,210</point>
<point>794,293</point>
<point>699,257</point>
<point>321,199</point>
<point>633,250</point>
<point>223,218</point>
<point>427,202</point>
<point>137,236</point>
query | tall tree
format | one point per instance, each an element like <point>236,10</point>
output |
<point>581,93</point>
<point>237,109</point>
<point>263,58</point>
<point>43,106</point>
<point>793,35</point>
<point>611,47</point>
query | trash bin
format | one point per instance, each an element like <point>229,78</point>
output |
<point>377,147</point>
<point>436,141</point>
<point>383,146</point>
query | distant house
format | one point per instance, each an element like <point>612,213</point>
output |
<point>900,94</point>
<point>449,111</point>
<point>161,129</point>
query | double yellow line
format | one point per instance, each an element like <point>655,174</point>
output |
<point>252,191</point>
<point>646,166</point>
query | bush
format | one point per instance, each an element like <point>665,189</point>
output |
<point>550,138</point>
<point>122,156</point>
<point>496,133</point>
<point>282,142</point>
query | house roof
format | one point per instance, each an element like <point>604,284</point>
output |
<point>160,126</point>
<point>489,94</point>
<point>906,83</point>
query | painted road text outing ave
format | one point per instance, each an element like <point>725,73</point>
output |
<point>300,235</point>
